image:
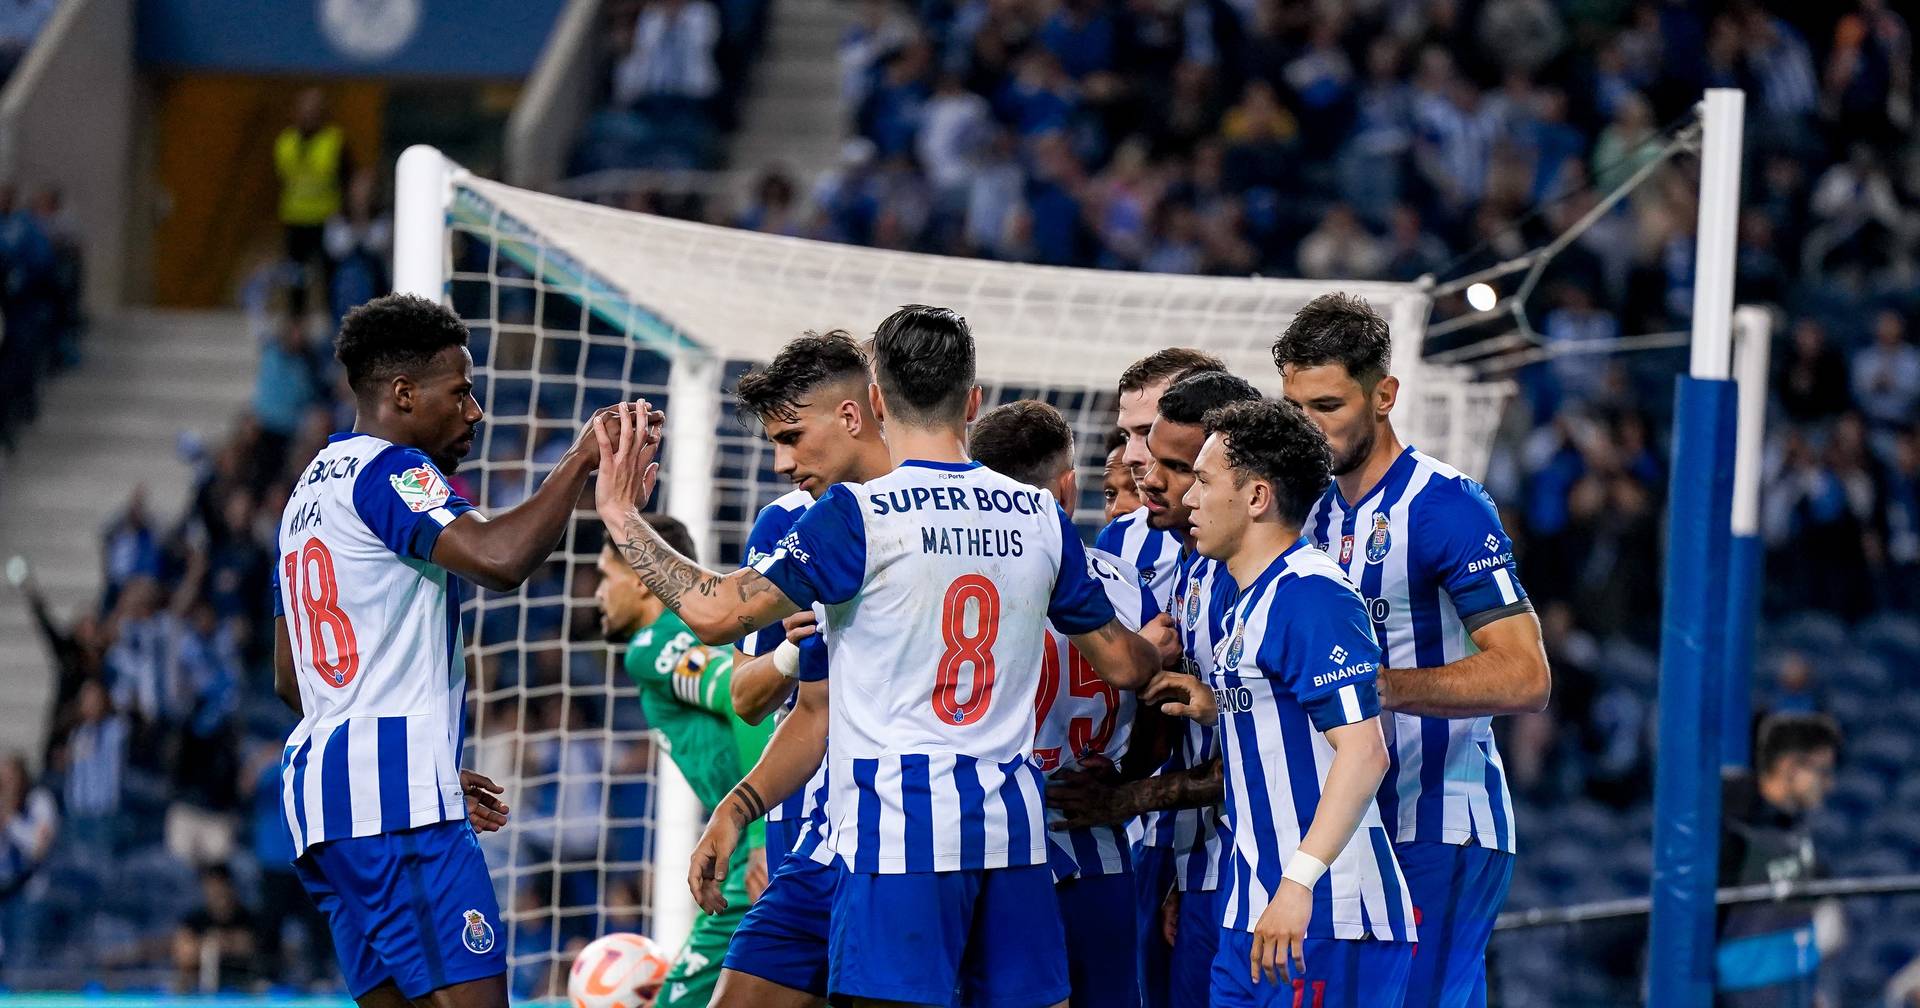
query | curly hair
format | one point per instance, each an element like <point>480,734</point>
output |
<point>1337,329</point>
<point>807,363</point>
<point>1026,440</point>
<point>1272,440</point>
<point>1190,399</point>
<point>394,335</point>
<point>923,361</point>
<point>1162,365</point>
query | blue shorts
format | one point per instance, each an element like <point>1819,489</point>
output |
<point>1097,912</point>
<point>1457,892</point>
<point>783,937</point>
<point>1173,976</point>
<point>1339,974</point>
<point>977,939</point>
<point>415,907</point>
<point>782,834</point>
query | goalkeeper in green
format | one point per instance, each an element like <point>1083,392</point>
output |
<point>684,691</point>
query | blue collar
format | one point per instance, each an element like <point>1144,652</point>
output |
<point>941,466</point>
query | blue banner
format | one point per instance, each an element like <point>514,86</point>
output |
<point>363,38</point>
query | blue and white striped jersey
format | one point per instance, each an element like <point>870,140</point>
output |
<point>939,579</point>
<point>1153,552</point>
<point>1297,660</point>
<point>375,630</point>
<point>769,527</point>
<point>1203,595</point>
<point>1082,717</point>
<point>1426,549</point>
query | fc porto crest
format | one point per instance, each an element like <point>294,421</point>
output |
<point>476,934</point>
<point>1234,650</point>
<point>1193,606</point>
<point>1379,542</point>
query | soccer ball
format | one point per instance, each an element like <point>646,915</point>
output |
<point>617,971</point>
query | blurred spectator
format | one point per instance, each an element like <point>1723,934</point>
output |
<point>29,821</point>
<point>1813,377</point>
<point>1521,35</point>
<point>1886,375</point>
<point>1626,145</point>
<point>1766,955</point>
<point>359,242</point>
<point>287,384</point>
<point>20,24</point>
<point>1858,217</point>
<point>313,163</point>
<point>775,208</point>
<point>1341,248</point>
<point>1901,532</point>
<point>93,761</point>
<point>672,57</point>
<point>1412,251</point>
<point>1575,330</point>
<point>214,945</point>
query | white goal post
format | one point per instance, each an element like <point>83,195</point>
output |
<point>574,305</point>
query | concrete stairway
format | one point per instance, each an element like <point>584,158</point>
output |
<point>112,424</point>
<point>792,114</point>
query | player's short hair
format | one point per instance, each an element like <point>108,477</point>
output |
<point>1273,440</point>
<point>1338,329</point>
<point>923,362</point>
<point>671,531</point>
<point>393,335</point>
<point>1794,734</point>
<point>1026,440</point>
<point>1162,365</point>
<point>1189,400</point>
<point>1116,438</point>
<point>808,363</point>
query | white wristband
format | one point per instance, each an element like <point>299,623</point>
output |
<point>786,658</point>
<point>1305,869</point>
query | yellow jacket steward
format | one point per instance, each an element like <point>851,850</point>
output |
<point>309,170</point>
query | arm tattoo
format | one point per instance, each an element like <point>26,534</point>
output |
<point>750,805</point>
<point>664,572</point>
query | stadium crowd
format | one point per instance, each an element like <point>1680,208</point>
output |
<point>1385,140</point>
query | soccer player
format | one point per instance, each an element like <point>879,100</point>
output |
<point>367,649</point>
<point>937,579</point>
<point>1315,912</point>
<point>684,691</point>
<point>1117,492</point>
<point>1177,861</point>
<point>1426,549</point>
<point>1149,543</point>
<point>811,402</point>
<point>1082,721</point>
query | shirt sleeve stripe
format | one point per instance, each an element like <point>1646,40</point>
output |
<point>1350,704</point>
<point>1505,580</point>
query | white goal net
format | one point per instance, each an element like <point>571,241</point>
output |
<point>573,306</point>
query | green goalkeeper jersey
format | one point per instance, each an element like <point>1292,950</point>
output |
<point>685,691</point>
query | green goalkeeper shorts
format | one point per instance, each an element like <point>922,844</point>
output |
<point>696,970</point>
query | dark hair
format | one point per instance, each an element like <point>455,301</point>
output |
<point>1116,438</point>
<point>1027,440</point>
<point>1190,399</point>
<point>1783,735</point>
<point>923,362</point>
<point>394,335</point>
<point>1161,365</point>
<point>1273,440</point>
<point>1337,329</point>
<point>671,531</point>
<point>810,361</point>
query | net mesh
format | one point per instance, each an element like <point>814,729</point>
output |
<point>573,306</point>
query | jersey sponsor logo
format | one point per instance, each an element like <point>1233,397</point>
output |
<point>987,499</point>
<point>339,468</point>
<point>421,488</point>
<point>1346,550</point>
<point>1359,668</point>
<point>1235,700</point>
<point>1493,543</point>
<point>1489,563</point>
<point>1380,541</point>
<point>475,933</point>
<point>1339,654</point>
<point>1146,575</point>
<point>791,547</point>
